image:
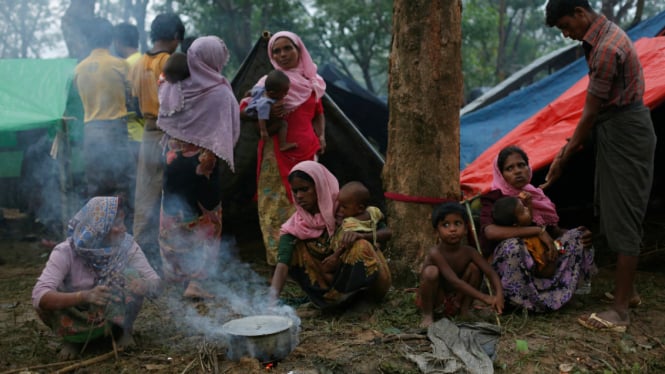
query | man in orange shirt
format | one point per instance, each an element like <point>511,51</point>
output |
<point>166,32</point>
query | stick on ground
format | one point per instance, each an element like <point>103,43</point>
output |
<point>88,362</point>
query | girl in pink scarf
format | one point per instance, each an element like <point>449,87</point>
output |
<point>309,244</point>
<point>302,109</point>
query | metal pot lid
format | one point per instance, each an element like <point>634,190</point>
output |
<point>257,325</point>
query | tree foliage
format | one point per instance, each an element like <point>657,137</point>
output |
<point>25,27</point>
<point>357,33</point>
<point>241,22</point>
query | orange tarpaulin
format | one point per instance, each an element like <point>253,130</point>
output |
<point>543,135</point>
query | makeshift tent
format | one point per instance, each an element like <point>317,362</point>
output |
<point>484,127</point>
<point>33,95</point>
<point>543,134</point>
<point>364,109</point>
<point>36,104</point>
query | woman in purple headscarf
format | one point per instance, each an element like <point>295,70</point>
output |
<point>94,282</point>
<point>201,120</point>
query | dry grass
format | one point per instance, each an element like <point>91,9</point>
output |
<point>350,341</point>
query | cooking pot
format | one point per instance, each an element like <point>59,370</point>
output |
<point>266,338</point>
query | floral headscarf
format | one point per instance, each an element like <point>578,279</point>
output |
<point>87,232</point>
<point>304,225</point>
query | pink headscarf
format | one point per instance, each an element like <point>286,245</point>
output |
<point>304,78</point>
<point>544,210</point>
<point>202,109</point>
<point>302,224</point>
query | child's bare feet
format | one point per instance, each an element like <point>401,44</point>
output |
<point>287,146</point>
<point>428,319</point>
<point>69,351</point>
<point>195,291</point>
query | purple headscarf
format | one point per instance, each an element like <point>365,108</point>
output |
<point>202,109</point>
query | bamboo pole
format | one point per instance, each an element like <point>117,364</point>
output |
<point>475,238</point>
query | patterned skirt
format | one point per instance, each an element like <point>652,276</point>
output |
<point>521,288</point>
<point>273,204</point>
<point>363,268</point>
<point>86,323</point>
<point>190,226</point>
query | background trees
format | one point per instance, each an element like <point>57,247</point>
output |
<point>499,36</point>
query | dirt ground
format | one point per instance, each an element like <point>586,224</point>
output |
<point>366,338</point>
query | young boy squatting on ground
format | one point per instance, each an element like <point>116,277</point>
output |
<point>451,273</point>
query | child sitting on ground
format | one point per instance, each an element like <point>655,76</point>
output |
<point>451,273</point>
<point>175,68</point>
<point>276,86</point>
<point>357,219</point>
<point>516,211</point>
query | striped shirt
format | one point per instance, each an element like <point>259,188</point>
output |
<point>615,72</point>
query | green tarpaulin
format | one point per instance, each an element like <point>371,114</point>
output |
<point>34,94</point>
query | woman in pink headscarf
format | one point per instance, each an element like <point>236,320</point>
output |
<point>303,112</point>
<point>506,247</point>
<point>310,238</point>
<point>200,118</point>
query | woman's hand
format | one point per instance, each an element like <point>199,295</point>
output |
<point>555,169</point>
<point>138,287</point>
<point>99,295</point>
<point>350,237</point>
<point>322,141</point>
<point>587,237</point>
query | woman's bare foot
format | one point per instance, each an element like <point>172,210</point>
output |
<point>68,351</point>
<point>195,291</point>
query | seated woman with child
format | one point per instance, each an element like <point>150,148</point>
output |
<point>526,283</point>
<point>330,267</point>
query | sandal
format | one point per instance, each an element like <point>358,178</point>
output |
<point>606,325</point>
<point>634,302</point>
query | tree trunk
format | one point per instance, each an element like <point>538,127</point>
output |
<point>78,11</point>
<point>425,95</point>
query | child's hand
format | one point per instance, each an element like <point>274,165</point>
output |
<point>525,197</point>
<point>264,135</point>
<point>495,303</point>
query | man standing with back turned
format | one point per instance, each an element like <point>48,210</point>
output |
<point>624,139</point>
<point>166,32</point>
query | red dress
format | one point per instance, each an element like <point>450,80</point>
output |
<point>301,132</point>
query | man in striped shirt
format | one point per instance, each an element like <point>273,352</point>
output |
<point>620,127</point>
